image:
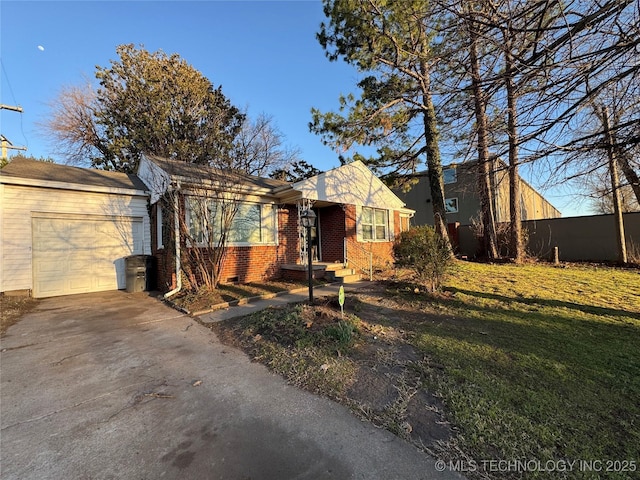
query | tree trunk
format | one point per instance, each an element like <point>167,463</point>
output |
<point>484,170</point>
<point>515,212</point>
<point>434,164</point>
<point>629,173</point>
<point>613,171</point>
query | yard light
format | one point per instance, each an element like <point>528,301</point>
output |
<point>308,219</point>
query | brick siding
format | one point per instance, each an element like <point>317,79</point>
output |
<point>262,262</point>
<point>241,264</point>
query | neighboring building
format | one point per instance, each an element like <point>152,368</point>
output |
<point>463,202</point>
<point>357,218</point>
<point>66,230</point>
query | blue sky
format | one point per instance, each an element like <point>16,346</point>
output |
<point>263,53</point>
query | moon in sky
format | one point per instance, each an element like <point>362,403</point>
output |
<point>41,48</point>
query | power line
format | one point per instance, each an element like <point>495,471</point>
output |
<point>8,82</point>
<point>10,107</point>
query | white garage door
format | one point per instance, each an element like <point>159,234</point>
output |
<point>81,254</point>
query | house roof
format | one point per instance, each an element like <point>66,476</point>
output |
<point>349,184</point>
<point>197,173</point>
<point>53,172</point>
<point>353,184</point>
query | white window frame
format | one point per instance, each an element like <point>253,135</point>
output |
<point>159,227</point>
<point>267,214</point>
<point>451,179</point>
<point>448,207</point>
<point>374,225</point>
<point>405,217</point>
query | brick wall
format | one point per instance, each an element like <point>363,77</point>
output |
<point>165,257</point>
<point>256,263</point>
<point>241,264</point>
<point>358,252</point>
<point>288,235</point>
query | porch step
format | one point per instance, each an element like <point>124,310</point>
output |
<point>333,267</point>
<point>343,275</point>
<point>333,275</point>
<point>352,278</point>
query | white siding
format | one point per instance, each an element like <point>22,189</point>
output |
<point>17,203</point>
<point>156,179</point>
<point>352,184</point>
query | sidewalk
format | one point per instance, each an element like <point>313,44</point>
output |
<point>298,295</point>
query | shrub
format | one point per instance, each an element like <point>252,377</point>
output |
<point>426,253</point>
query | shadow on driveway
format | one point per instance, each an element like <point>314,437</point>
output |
<point>118,385</point>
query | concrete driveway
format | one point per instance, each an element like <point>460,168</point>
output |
<point>119,386</point>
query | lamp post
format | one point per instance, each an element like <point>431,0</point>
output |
<point>308,219</point>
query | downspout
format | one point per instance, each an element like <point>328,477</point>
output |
<point>176,236</point>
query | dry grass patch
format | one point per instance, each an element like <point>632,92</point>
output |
<point>203,299</point>
<point>12,309</point>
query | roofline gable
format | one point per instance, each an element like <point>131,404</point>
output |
<point>352,183</point>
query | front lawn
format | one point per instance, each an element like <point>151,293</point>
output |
<point>539,362</point>
<point>536,364</point>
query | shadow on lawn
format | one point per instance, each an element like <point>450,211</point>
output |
<point>591,309</point>
<point>555,336</point>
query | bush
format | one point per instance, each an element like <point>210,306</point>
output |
<point>426,253</point>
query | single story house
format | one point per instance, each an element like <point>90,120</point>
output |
<point>358,218</point>
<point>66,230</point>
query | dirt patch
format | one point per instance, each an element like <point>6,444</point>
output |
<point>384,383</point>
<point>204,299</point>
<point>12,309</point>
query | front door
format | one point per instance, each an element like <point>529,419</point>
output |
<point>315,238</point>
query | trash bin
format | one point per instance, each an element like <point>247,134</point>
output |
<point>136,273</point>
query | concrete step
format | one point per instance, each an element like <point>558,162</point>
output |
<point>332,267</point>
<point>352,278</point>
<point>336,274</point>
<point>333,274</point>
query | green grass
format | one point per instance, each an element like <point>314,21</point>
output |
<point>536,362</point>
<point>532,363</point>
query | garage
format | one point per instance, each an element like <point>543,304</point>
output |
<point>67,230</point>
<point>82,254</point>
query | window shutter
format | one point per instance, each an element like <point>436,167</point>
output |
<point>358,223</point>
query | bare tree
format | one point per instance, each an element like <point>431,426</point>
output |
<point>72,126</point>
<point>260,148</point>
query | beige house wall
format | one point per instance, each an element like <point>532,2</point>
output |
<point>465,189</point>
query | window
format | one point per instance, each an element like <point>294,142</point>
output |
<point>451,205</point>
<point>450,175</point>
<point>375,224</point>
<point>405,222</point>
<point>159,226</point>
<point>246,224</point>
<point>251,223</point>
